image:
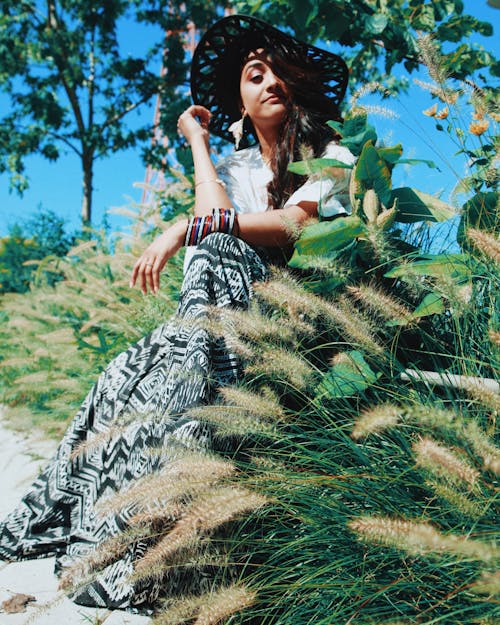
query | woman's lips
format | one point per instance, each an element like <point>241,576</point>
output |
<point>274,99</point>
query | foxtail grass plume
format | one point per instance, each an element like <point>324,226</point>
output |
<point>266,406</point>
<point>420,539</point>
<point>482,392</point>
<point>183,477</point>
<point>284,292</point>
<point>375,420</point>
<point>222,604</point>
<point>244,412</point>
<point>448,96</point>
<point>232,421</point>
<point>487,584</point>
<point>483,447</point>
<point>353,325</point>
<point>253,325</point>
<point>457,500</point>
<point>217,507</point>
<point>432,59</point>
<point>366,89</point>
<point>485,243</point>
<point>375,300</point>
<point>282,365</point>
<point>494,337</point>
<point>443,462</point>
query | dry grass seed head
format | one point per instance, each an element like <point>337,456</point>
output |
<point>356,327</point>
<point>458,501</point>
<point>232,420</point>
<point>183,477</point>
<point>494,336</point>
<point>483,447</point>
<point>283,365</point>
<point>285,293</point>
<point>448,96</point>
<point>244,412</point>
<point>376,419</point>
<point>226,601</point>
<point>252,324</point>
<point>485,243</point>
<point>381,303</point>
<point>266,407</point>
<point>481,393</point>
<point>217,507</point>
<point>420,539</point>
<point>442,461</point>
<point>487,584</point>
<point>432,59</point>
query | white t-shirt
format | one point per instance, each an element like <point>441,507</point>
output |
<point>246,177</point>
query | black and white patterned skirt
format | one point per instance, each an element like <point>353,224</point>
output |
<point>138,403</point>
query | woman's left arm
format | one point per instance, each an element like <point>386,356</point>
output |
<point>275,228</point>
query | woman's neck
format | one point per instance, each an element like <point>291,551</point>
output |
<point>267,143</point>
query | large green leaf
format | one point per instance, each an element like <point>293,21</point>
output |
<point>375,24</point>
<point>326,237</point>
<point>455,266</point>
<point>316,165</point>
<point>391,155</point>
<point>355,133</point>
<point>373,172</point>
<point>350,376</point>
<point>413,206</point>
<point>432,304</point>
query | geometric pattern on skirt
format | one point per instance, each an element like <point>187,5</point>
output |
<point>147,389</point>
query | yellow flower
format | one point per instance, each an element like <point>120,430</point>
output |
<point>496,117</point>
<point>431,112</point>
<point>477,128</point>
<point>443,113</point>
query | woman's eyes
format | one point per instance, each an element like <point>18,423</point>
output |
<point>256,78</point>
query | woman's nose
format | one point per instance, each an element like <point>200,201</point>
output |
<point>273,82</point>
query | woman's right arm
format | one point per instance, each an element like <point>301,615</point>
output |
<point>209,193</point>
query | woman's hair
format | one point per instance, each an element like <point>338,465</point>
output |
<point>304,133</point>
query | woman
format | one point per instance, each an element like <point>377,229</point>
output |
<point>253,81</point>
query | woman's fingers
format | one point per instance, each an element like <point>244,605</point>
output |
<point>157,267</point>
<point>195,113</point>
<point>146,273</point>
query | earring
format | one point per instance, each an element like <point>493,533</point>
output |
<point>236,129</point>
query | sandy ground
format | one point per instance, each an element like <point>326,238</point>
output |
<point>21,459</point>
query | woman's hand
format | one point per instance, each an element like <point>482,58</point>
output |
<point>146,271</point>
<point>194,123</point>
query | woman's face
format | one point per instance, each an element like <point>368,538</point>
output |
<point>263,95</point>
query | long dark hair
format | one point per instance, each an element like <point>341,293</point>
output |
<point>304,132</point>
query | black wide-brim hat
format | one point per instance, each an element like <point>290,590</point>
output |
<point>220,55</point>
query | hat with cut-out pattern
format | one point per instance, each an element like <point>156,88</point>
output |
<point>220,56</point>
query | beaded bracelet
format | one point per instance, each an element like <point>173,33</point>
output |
<point>221,220</point>
<point>216,180</point>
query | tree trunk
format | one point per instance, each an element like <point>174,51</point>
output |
<point>88,175</point>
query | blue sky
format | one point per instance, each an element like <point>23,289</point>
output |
<point>57,186</point>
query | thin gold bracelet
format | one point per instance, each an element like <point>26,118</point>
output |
<point>217,180</point>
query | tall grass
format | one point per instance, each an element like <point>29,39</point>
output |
<point>55,339</point>
<point>341,489</point>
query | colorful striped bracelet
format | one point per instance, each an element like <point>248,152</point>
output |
<point>221,220</point>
